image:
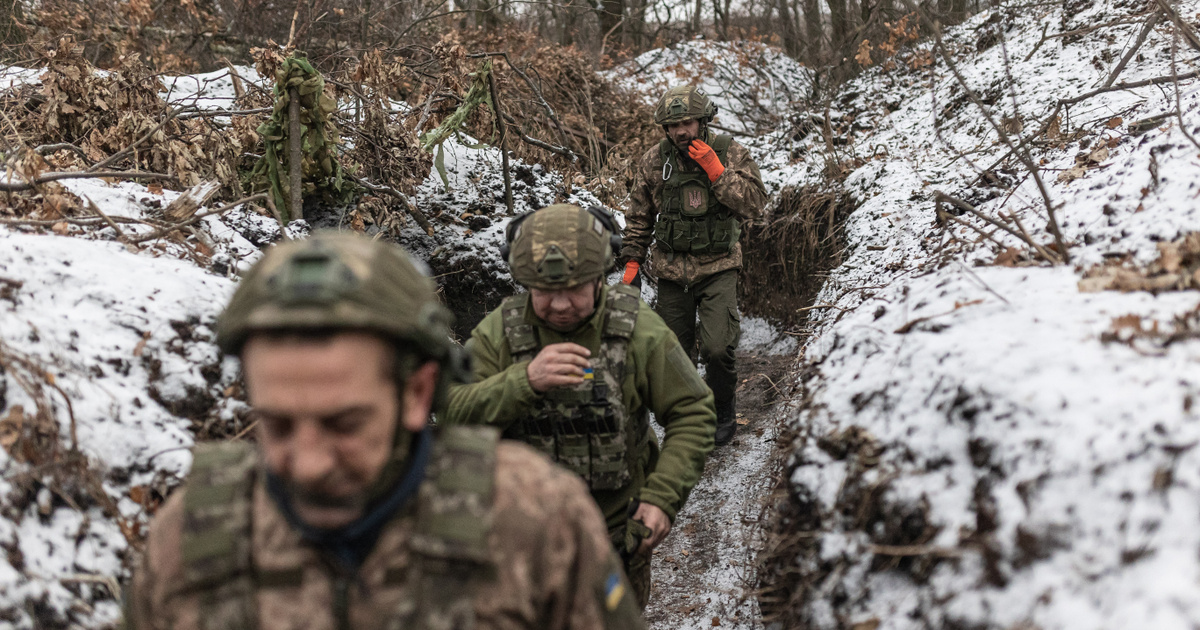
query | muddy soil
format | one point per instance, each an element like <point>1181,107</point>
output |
<point>703,574</point>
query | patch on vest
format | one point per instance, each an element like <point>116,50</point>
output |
<point>694,199</point>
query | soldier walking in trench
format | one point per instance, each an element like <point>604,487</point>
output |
<point>351,512</point>
<point>574,367</point>
<point>690,196</point>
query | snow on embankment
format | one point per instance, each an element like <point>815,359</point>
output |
<point>987,446</point>
<point>751,83</point>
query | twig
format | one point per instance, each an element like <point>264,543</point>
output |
<point>1137,43</point>
<point>1184,29</point>
<point>412,210</point>
<point>508,198</point>
<point>9,186</point>
<point>916,550</point>
<point>946,216</point>
<point>1023,156</point>
<point>540,143</point>
<point>49,149</point>
<point>197,218</point>
<point>1127,86</point>
<point>939,196</point>
<point>1178,106</point>
<point>562,138</point>
<point>107,219</point>
<point>213,113</point>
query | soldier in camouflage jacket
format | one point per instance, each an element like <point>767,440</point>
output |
<point>691,194</point>
<point>350,511</point>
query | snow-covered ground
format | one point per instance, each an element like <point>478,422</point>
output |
<point>983,451</point>
<point>753,85</point>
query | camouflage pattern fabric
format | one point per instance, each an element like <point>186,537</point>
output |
<point>683,103</point>
<point>739,188</point>
<point>690,220</point>
<point>557,247</point>
<point>586,427</point>
<point>545,561</point>
<point>216,553</point>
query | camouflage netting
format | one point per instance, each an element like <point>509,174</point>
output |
<point>320,170</point>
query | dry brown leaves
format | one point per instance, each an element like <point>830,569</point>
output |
<point>1177,269</point>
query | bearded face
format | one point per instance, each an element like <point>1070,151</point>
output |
<point>681,134</point>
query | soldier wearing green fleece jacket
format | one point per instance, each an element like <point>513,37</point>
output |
<point>574,368</point>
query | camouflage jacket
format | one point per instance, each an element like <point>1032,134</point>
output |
<point>659,377</point>
<point>554,564</point>
<point>739,188</point>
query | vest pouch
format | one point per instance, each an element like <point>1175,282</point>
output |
<point>608,452</point>
<point>725,234</point>
<point>693,197</point>
<point>664,229</point>
<point>701,242</point>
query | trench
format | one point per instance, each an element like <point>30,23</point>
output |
<point>707,572</point>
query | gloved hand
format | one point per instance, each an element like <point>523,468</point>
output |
<point>706,158</point>
<point>631,274</point>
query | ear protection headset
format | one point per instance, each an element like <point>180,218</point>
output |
<point>605,217</point>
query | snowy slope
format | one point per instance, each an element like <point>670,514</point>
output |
<point>983,451</point>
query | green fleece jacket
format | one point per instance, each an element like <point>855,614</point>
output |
<point>659,377</point>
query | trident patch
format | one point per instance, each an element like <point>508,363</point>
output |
<point>695,199</point>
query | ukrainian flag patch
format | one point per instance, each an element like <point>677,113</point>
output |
<point>614,590</point>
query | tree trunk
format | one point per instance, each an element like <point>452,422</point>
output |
<point>813,30</point>
<point>839,28</point>
<point>791,41</point>
<point>609,14</point>
<point>696,24</point>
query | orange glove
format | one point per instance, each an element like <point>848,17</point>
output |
<point>706,158</point>
<point>631,272</point>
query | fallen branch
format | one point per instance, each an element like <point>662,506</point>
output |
<point>1128,86</point>
<point>45,178</point>
<point>50,149</point>
<point>1184,28</point>
<point>905,551</point>
<point>197,218</point>
<point>939,197</point>
<point>1137,43</point>
<point>1025,158</point>
<point>215,113</point>
<point>412,210</point>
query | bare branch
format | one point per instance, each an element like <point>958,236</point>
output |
<point>9,186</point>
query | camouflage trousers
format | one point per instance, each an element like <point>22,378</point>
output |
<point>714,299</point>
<point>637,569</point>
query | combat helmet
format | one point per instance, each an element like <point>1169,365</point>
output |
<point>561,246</point>
<point>339,280</point>
<point>683,103</point>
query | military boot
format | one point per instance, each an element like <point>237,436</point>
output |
<point>726,421</point>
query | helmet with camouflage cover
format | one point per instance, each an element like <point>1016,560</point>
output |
<point>337,280</point>
<point>561,246</point>
<point>683,103</point>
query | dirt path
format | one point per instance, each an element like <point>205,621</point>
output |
<point>702,571</point>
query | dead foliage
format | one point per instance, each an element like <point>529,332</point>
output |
<point>1147,336</point>
<point>786,257</point>
<point>1177,269</point>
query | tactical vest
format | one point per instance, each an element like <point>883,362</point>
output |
<point>449,555</point>
<point>585,428</point>
<point>690,219</point>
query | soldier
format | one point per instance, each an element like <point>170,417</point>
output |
<point>574,367</point>
<point>690,196</point>
<point>353,512</point>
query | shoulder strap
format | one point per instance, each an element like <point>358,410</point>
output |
<point>217,534</point>
<point>720,144</point>
<point>621,309</point>
<point>665,148</point>
<point>450,542</point>
<point>521,336</point>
